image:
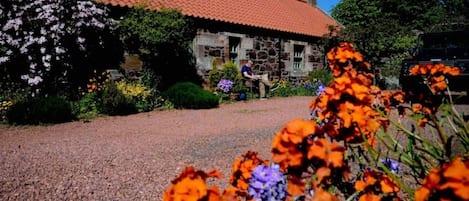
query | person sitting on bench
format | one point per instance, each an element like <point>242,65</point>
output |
<point>251,80</point>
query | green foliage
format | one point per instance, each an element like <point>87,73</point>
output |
<point>215,75</point>
<point>387,29</point>
<point>303,88</point>
<point>4,107</point>
<point>50,109</point>
<point>10,93</point>
<point>121,98</point>
<point>138,93</point>
<point>87,107</point>
<point>162,41</point>
<point>115,102</point>
<point>321,75</point>
<point>149,28</point>
<point>230,71</point>
<point>239,87</point>
<point>190,96</point>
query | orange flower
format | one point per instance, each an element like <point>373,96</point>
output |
<point>360,91</point>
<point>369,197</point>
<point>374,183</point>
<point>430,182</point>
<point>285,150</point>
<point>414,70</point>
<point>346,112</point>
<point>331,154</point>
<point>190,185</point>
<point>341,83</point>
<point>343,58</point>
<point>364,79</point>
<point>231,194</point>
<point>417,107</point>
<point>438,86</point>
<point>295,186</point>
<point>242,169</point>
<point>388,185</point>
<point>422,122</point>
<point>322,195</point>
<point>451,181</point>
<point>457,177</point>
<point>452,71</point>
<point>399,96</point>
<point>435,74</point>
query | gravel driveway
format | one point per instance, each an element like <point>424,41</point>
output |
<point>135,157</point>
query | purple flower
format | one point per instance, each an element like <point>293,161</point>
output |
<point>321,88</point>
<point>225,85</point>
<point>392,165</point>
<point>308,86</point>
<point>267,183</point>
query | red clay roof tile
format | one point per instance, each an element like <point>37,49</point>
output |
<point>291,16</point>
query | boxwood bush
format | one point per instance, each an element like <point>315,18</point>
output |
<point>50,109</point>
<point>190,96</point>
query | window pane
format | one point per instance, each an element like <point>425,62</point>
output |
<point>298,57</point>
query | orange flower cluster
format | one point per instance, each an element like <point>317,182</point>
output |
<point>344,57</point>
<point>350,104</point>
<point>286,145</point>
<point>328,158</point>
<point>426,111</point>
<point>323,195</point>
<point>288,151</point>
<point>190,186</point>
<point>373,184</point>
<point>450,182</point>
<point>242,169</point>
<point>96,83</point>
<point>434,75</point>
<point>298,146</point>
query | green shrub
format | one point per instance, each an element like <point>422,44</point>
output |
<point>116,103</point>
<point>190,96</point>
<point>302,88</point>
<point>322,75</point>
<point>10,93</point>
<point>87,107</point>
<point>50,109</point>
<point>215,75</point>
<point>139,94</point>
<point>4,107</point>
<point>230,71</point>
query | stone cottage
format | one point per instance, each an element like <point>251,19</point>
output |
<point>280,36</point>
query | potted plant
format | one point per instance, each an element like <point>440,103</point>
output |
<point>240,91</point>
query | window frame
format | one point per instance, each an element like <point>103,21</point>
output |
<point>298,58</point>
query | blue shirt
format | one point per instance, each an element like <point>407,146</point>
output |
<point>246,69</point>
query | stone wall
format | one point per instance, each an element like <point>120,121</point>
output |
<point>272,55</point>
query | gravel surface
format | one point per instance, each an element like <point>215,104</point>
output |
<point>135,157</point>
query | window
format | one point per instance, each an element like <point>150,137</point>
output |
<point>298,57</point>
<point>234,47</point>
